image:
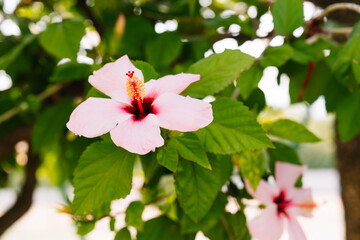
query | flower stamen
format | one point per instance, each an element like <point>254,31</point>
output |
<point>135,89</point>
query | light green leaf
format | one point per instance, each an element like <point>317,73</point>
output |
<point>348,116</point>
<point>288,15</point>
<point>123,234</point>
<point>133,215</point>
<point>197,187</point>
<point>62,39</point>
<point>163,49</point>
<point>12,54</point>
<point>290,130</point>
<point>104,173</point>
<point>217,72</point>
<point>249,80</point>
<point>233,129</point>
<point>190,148</point>
<point>168,156</point>
<point>84,228</point>
<point>147,70</point>
<point>71,71</point>
<point>252,166</point>
<point>51,124</point>
<point>276,56</point>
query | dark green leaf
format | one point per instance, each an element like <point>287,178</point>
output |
<point>276,56</point>
<point>233,129</point>
<point>147,70</point>
<point>149,165</point>
<point>282,153</point>
<point>290,130</point>
<point>133,215</point>
<point>123,234</point>
<point>249,80</point>
<point>93,92</point>
<point>252,166</point>
<point>168,156</point>
<point>62,39</point>
<point>163,49</point>
<point>288,15</point>
<point>217,72</point>
<point>104,173</point>
<point>71,71</point>
<point>197,187</point>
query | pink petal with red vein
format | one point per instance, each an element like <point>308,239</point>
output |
<point>286,174</point>
<point>181,113</point>
<point>111,78</point>
<point>138,136</point>
<point>96,116</point>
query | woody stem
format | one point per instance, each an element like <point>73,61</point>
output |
<point>141,107</point>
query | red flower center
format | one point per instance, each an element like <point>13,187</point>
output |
<point>282,203</point>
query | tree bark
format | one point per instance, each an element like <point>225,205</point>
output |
<point>348,162</point>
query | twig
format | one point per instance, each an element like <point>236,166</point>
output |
<point>338,6</point>
<point>41,97</point>
<point>340,31</point>
<point>227,227</point>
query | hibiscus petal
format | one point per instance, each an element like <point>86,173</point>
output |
<point>181,113</point>
<point>138,136</point>
<point>303,202</point>
<point>268,225</point>
<point>264,192</point>
<point>295,231</point>
<point>111,78</point>
<point>96,116</point>
<point>170,83</point>
<point>286,174</point>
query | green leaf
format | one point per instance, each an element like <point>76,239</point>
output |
<point>276,56</point>
<point>217,72</point>
<point>51,124</point>
<point>210,219</point>
<point>197,187</point>
<point>163,49</point>
<point>12,54</point>
<point>123,234</point>
<point>282,153</point>
<point>149,165</point>
<point>160,228</point>
<point>62,39</point>
<point>252,166</point>
<point>133,215</point>
<point>288,15</point>
<point>290,130</point>
<point>233,129</point>
<point>190,148</point>
<point>147,70</point>
<point>249,80</point>
<point>168,156</point>
<point>104,173</point>
<point>93,92</point>
<point>84,228</point>
<point>348,116</point>
<point>71,71</point>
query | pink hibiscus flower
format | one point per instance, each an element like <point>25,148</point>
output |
<point>282,201</point>
<point>136,111</point>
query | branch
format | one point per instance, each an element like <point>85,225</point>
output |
<point>24,200</point>
<point>8,142</point>
<point>89,14</point>
<point>338,6</point>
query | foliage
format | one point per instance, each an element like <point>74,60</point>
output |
<point>49,76</point>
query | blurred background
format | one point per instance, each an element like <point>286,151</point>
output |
<point>109,29</point>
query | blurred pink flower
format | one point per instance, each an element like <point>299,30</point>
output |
<point>282,201</point>
<point>136,111</point>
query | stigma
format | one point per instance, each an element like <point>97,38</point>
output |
<point>135,87</point>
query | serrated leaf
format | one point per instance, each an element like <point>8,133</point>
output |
<point>147,70</point>
<point>276,56</point>
<point>249,80</point>
<point>282,153</point>
<point>133,215</point>
<point>197,187</point>
<point>190,148</point>
<point>71,71</point>
<point>62,39</point>
<point>123,234</point>
<point>163,49</point>
<point>104,173</point>
<point>288,15</point>
<point>233,129</point>
<point>347,113</point>
<point>252,166</point>
<point>217,72</point>
<point>168,156</point>
<point>290,130</point>
<point>210,219</point>
<point>50,124</point>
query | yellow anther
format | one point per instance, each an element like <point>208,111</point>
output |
<point>135,88</point>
